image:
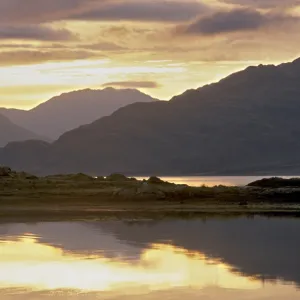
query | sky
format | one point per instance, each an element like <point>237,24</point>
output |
<point>161,47</point>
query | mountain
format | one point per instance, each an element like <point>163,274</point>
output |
<point>11,132</point>
<point>248,123</point>
<point>70,110</point>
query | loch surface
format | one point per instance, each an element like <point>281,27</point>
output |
<point>239,258</point>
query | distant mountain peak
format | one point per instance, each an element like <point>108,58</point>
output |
<point>73,109</point>
<point>10,132</point>
<point>247,123</point>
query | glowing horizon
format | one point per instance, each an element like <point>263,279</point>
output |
<point>162,48</point>
<point>55,81</point>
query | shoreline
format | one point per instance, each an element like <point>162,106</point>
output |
<point>149,212</point>
<point>79,196</point>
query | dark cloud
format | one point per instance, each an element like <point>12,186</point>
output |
<point>146,10</point>
<point>27,57</point>
<point>227,21</point>
<point>132,84</point>
<point>263,3</point>
<point>35,32</point>
<point>43,11</point>
<point>36,11</point>
<point>232,21</point>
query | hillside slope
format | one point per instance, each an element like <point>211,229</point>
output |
<point>10,132</point>
<point>247,123</point>
<point>71,110</point>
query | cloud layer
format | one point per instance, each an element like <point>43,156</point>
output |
<point>273,4</point>
<point>29,57</point>
<point>161,46</point>
<point>146,10</point>
<point>39,11</point>
<point>36,11</point>
<point>35,32</point>
<point>234,21</point>
<point>132,84</point>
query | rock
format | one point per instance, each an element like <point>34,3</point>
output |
<point>155,180</point>
<point>127,193</point>
<point>5,171</point>
<point>75,177</point>
<point>132,179</point>
<point>115,191</point>
<point>117,177</point>
<point>145,191</point>
<point>25,175</point>
<point>150,191</point>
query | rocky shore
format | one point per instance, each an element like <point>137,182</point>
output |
<point>25,194</point>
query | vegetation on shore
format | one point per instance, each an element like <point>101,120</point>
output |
<point>276,182</point>
<point>113,188</point>
<point>118,196</point>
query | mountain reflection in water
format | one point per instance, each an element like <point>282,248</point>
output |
<point>92,261</point>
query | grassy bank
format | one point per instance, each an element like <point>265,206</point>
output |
<point>75,197</point>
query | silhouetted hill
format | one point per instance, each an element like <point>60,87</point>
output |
<point>247,123</point>
<point>70,110</point>
<point>26,155</point>
<point>11,132</point>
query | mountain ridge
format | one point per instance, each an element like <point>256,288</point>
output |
<point>245,123</point>
<point>11,132</point>
<point>70,110</point>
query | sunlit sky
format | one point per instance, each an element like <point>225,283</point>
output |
<point>161,47</point>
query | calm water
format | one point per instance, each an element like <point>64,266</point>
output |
<point>216,180</point>
<point>234,259</point>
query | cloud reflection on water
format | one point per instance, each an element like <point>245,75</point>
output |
<point>26,263</point>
